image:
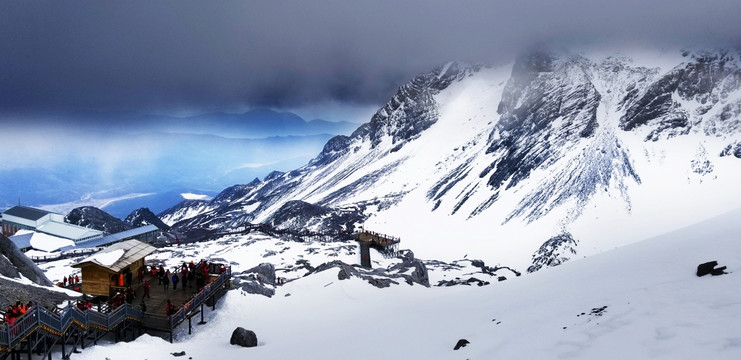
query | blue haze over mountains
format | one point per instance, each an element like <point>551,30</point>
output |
<point>113,155</point>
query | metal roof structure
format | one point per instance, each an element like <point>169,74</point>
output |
<point>113,238</point>
<point>133,250</point>
<point>26,212</point>
<point>68,231</point>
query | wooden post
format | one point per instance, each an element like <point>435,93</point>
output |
<point>64,340</point>
<point>202,322</point>
<point>365,260</point>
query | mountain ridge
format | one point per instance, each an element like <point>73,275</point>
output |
<point>530,149</point>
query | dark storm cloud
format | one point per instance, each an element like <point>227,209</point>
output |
<point>180,56</point>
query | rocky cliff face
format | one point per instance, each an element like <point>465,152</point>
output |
<point>696,93</point>
<point>14,264</point>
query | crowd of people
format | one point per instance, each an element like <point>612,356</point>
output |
<point>71,279</point>
<point>188,275</point>
<point>16,311</point>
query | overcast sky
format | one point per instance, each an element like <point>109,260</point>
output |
<point>184,57</point>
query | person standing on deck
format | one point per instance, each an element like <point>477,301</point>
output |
<point>166,281</point>
<point>175,281</point>
<point>146,289</point>
<point>184,276</point>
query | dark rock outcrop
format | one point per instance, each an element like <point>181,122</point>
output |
<point>461,343</point>
<point>14,263</point>
<point>555,251</point>
<point>710,268</point>
<point>143,216</point>
<point>94,218</point>
<point>299,216</point>
<point>243,337</point>
<point>264,272</point>
<point>252,286</point>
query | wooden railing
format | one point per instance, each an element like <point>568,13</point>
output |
<point>208,291</point>
<point>58,323</point>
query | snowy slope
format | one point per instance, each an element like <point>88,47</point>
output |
<point>635,302</point>
<point>605,149</point>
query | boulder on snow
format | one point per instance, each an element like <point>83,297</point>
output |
<point>243,337</point>
<point>718,271</point>
<point>253,287</point>
<point>709,268</point>
<point>461,343</point>
<point>265,272</point>
<point>420,273</point>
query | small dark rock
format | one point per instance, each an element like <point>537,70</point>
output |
<point>176,354</point>
<point>718,271</point>
<point>243,337</point>
<point>461,343</point>
<point>342,274</point>
<point>706,268</point>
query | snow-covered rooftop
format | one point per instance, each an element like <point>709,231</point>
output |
<point>113,238</point>
<point>120,255</point>
<point>49,243</point>
<point>68,230</point>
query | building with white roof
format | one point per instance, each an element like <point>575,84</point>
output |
<point>28,218</point>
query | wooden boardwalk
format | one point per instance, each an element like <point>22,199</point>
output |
<point>159,296</point>
<point>40,330</point>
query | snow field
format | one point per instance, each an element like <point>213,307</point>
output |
<point>655,308</point>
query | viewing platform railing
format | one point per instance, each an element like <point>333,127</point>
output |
<point>38,318</point>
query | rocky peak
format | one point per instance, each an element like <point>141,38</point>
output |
<point>547,103</point>
<point>681,97</point>
<point>94,218</point>
<point>143,216</point>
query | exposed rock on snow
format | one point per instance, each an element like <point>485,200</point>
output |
<point>252,286</point>
<point>257,280</point>
<point>265,273</point>
<point>409,272</point>
<point>14,263</point>
<point>732,149</point>
<point>461,343</point>
<point>458,281</point>
<point>243,337</point>
<point>710,268</point>
<point>554,252</point>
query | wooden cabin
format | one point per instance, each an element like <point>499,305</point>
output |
<point>101,272</point>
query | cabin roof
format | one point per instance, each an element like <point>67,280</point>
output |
<point>124,254</point>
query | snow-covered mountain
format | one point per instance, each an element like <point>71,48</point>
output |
<point>555,156</point>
